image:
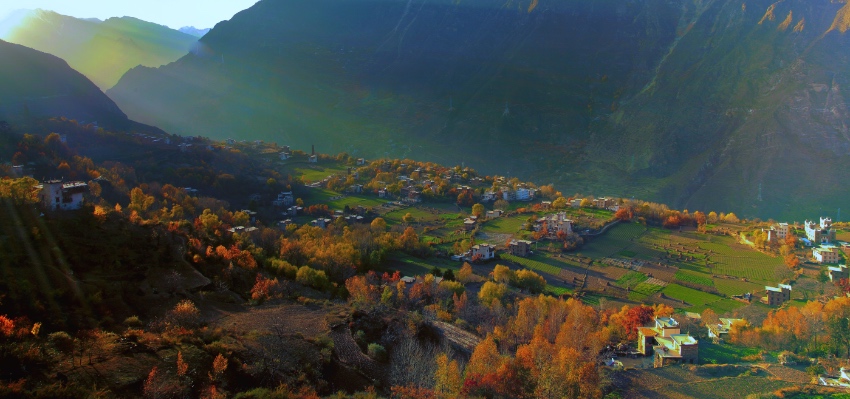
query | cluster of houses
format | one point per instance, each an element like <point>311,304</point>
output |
<point>822,233</point>
<point>665,342</point>
<point>821,236</point>
<point>357,216</point>
<point>506,193</point>
<point>478,252</point>
<point>554,224</point>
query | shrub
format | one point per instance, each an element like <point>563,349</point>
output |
<point>377,352</point>
<point>530,281</point>
<point>184,315</point>
<point>283,268</point>
<point>133,321</point>
<point>312,278</point>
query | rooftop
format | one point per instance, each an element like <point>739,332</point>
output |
<point>666,322</point>
<point>684,339</point>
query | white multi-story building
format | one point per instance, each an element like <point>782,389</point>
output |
<point>56,195</point>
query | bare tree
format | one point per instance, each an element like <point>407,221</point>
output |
<point>412,363</point>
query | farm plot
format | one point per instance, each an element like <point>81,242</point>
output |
<point>631,279</point>
<point>644,290</point>
<point>354,201</point>
<point>536,263</point>
<point>418,214</point>
<point>618,238</point>
<point>753,266</point>
<point>314,173</point>
<point>508,225</point>
<point>694,278</point>
<point>690,295</point>
<point>731,287</point>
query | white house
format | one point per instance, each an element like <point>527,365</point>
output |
<point>56,195</point>
<point>826,255</point>
<point>313,159</point>
<point>284,156</point>
<point>482,252</point>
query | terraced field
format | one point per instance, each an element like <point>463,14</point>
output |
<point>690,295</point>
<point>735,287</point>
<point>644,290</point>
<point>694,278</point>
<point>631,279</point>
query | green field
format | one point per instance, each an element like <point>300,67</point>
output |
<point>735,287</point>
<point>413,266</point>
<point>690,295</point>
<point>504,225</point>
<point>631,279</point>
<point>419,215</point>
<point>619,238</point>
<point>537,263</point>
<point>694,278</point>
<point>641,291</point>
<point>314,172</point>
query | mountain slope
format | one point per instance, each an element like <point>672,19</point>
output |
<point>424,79</point>
<point>37,84</point>
<point>101,50</point>
<point>690,103</point>
<point>745,113</point>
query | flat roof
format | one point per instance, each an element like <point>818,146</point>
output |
<point>684,339</point>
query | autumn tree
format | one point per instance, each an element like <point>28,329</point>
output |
<point>379,225</point>
<point>624,214</point>
<point>792,261</point>
<point>478,210</point>
<point>464,275</point>
<point>447,378</point>
<point>530,281</point>
<point>491,292</point>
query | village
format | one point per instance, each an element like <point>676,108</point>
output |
<point>581,246</point>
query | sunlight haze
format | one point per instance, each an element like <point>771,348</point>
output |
<point>175,14</point>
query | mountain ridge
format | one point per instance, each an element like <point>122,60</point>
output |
<point>101,50</point>
<point>660,100</point>
<point>46,86</point>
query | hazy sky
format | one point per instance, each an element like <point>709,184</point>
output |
<point>173,13</point>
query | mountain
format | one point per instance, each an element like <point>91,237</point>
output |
<point>39,85</point>
<point>708,105</point>
<point>191,30</point>
<point>101,50</point>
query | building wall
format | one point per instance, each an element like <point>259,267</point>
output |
<point>690,353</point>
